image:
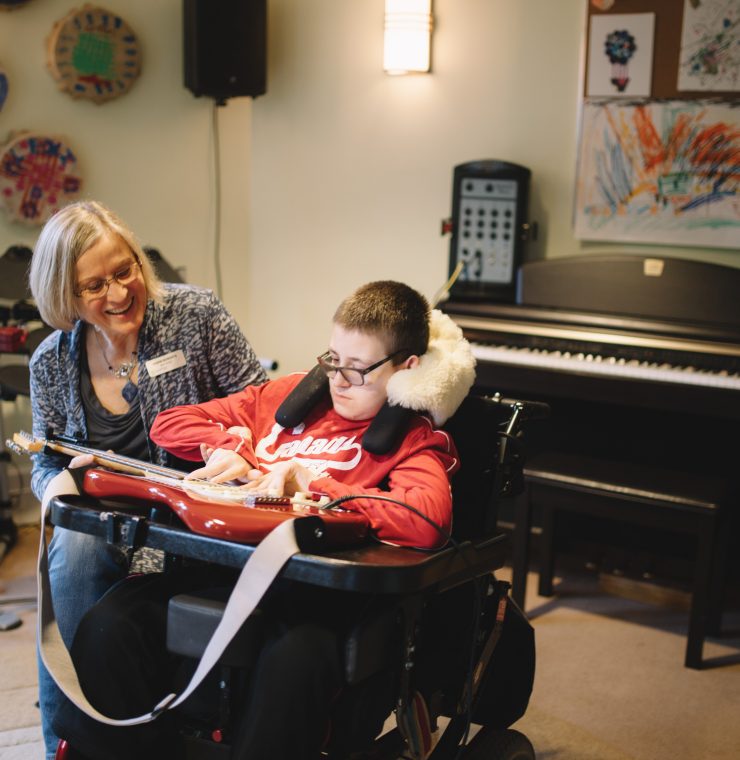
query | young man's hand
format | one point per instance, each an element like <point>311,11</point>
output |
<point>284,479</point>
<point>222,466</point>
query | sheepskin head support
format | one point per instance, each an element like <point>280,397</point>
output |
<point>443,377</point>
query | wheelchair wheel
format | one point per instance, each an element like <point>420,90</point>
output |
<point>500,745</point>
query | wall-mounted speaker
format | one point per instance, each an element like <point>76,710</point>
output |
<point>225,47</point>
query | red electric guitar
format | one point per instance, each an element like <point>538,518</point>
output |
<point>222,511</point>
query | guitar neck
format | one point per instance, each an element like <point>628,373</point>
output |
<point>115,461</point>
<point>118,485</point>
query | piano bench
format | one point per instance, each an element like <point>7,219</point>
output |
<point>629,493</point>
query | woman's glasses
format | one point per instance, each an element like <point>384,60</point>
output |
<point>98,288</point>
<point>352,375</point>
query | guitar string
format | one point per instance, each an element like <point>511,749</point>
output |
<point>146,468</point>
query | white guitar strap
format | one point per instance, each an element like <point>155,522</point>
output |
<point>255,578</point>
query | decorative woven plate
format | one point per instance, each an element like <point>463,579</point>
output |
<point>94,54</point>
<point>38,175</point>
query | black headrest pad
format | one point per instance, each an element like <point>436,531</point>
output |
<point>303,398</point>
<point>384,433</point>
<point>387,429</point>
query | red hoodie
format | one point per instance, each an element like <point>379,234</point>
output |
<point>417,472</point>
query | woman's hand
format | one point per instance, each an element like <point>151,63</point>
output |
<point>284,479</point>
<point>81,460</point>
<point>223,465</point>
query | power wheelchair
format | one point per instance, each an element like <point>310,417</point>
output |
<point>443,639</point>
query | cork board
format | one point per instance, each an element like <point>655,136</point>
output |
<point>660,165</point>
<point>667,49</point>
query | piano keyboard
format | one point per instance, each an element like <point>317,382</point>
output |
<point>591,364</point>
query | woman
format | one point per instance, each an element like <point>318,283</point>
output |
<point>126,347</point>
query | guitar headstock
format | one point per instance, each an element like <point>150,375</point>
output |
<point>25,443</point>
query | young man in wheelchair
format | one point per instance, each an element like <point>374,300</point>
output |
<point>380,350</point>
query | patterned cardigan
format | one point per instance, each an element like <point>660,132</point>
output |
<point>219,361</point>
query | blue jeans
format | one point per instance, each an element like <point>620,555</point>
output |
<point>81,569</point>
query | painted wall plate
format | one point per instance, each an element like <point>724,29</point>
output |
<point>38,175</point>
<point>94,54</point>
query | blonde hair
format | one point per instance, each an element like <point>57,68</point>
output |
<point>64,238</point>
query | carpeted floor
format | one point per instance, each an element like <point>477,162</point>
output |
<point>611,683</point>
<point>610,679</point>
<point>20,733</point>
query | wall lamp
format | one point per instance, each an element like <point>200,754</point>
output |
<point>408,36</point>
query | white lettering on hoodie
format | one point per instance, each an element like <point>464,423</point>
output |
<point>300,448</point>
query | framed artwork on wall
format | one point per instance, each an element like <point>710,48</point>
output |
<point>661,164</point>
<point>622,63</point>
<point>710,46</point>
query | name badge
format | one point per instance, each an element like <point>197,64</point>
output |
<point>165,363</point>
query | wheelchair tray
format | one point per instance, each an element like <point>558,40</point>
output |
<point>371,567</point>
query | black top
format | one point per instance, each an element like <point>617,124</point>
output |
<point>122,433</point>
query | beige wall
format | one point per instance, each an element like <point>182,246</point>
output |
<point>339,174</point>
<point>148,154</point>
<point>351,170</point>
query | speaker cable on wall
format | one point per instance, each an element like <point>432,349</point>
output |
<point>216,196</point>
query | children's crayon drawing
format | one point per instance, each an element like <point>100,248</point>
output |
<point>660,172</point>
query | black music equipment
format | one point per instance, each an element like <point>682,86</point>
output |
<point>165,271</point>
<point>14,265</point>
<point>225,48</point>
<point>638,357</point>
<point>489,228</point>
<point>23,311</point>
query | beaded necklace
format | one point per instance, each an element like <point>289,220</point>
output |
<point>125,369</point>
